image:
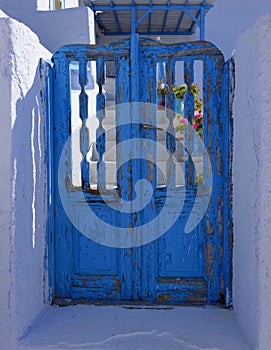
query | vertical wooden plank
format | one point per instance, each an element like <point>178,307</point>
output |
<point>124,175</point>
<point>218,119</point>
<point>189,115</point>
<point>146,255</point>
<point>62,130</point>
<point>100,132</point>
<point>170,135</point>
<point>135,64</point>
<point>213,141</point>
<point>123,126</point>
<point>227,95</point>
<point>84,132</point>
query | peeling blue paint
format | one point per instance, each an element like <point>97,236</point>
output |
<point>190,268</point>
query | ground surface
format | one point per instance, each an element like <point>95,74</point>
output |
<point>143,328</point>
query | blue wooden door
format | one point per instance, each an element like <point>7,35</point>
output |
<point>141,201</point>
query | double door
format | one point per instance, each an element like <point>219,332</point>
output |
<point>141,207</point>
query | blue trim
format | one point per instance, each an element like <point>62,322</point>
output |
<point>116,16</point>
<point>180,21</point>
<point>202,23</point>
<point>147,33</point>
<point>149,21</point>
<point>228,89</point>
<point>134,58</point>
<point>184,9</point>
<point>195,18</point>
<point>149,12</point>
<point>147,7</point>
<point>165,21</point>
<point>100,23</point>
<point>165,18</point>
<point>91,6</point>
<point>46,72</point>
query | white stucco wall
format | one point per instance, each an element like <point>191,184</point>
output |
<point>45,5</point>
<point>54,28</point>
<point>252,180</point>
<point>23,187</point>
<point>42,5</point>
<point>71,3</point>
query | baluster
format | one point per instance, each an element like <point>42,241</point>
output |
<point>84,131</point>
<point>189,115</point>
<point>100,132</point>
<point>170,135</point>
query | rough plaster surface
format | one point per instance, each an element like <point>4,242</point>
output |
<point>54,28</point>
<point>252,179</point>
<point>23,180</point>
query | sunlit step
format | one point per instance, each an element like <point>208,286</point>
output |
<point>111,151</point>
<point>110,174</point>
<point>110,117</point>
<point>161,172</point>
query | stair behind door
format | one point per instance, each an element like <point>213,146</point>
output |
<point>162,155</point>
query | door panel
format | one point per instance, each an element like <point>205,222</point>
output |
<point>85,269</point>
<point>120,146</point>
<point>180,265</point>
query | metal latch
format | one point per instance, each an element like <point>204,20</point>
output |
<point>148,126</point>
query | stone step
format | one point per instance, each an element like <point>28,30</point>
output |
<point>110,174</point>
<point>161,172</point>
<point>110,154</point>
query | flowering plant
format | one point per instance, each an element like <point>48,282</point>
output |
<point>197,121</point>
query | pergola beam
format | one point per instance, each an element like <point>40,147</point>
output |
<point>149,9</point>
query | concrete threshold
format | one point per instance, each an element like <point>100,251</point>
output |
<point>135,328</point>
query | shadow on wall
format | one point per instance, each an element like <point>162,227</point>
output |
<point>229,19</point>
<point>251,183</point>
<point>30,205</point>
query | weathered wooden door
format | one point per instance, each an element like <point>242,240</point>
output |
<point>141,205</point>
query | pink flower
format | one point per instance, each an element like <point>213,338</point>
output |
<point>197,115</point>
<point>183,121</point>
<point>195,126</point>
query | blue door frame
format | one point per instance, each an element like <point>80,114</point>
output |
<point>174,267</point>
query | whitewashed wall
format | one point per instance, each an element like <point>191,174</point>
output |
<point>54,28</point>
<point>70,3</point>
<point>252,184</point>
<point>23,186</point>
